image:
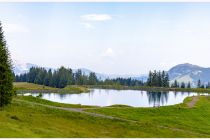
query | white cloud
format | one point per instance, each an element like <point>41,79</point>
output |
<point>15,28</point>
<point>96,17</point>
<point>88,25</point>
<point>188,31</point>
<point>109,52</point>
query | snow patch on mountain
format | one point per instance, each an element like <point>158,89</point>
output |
<point>189,73</point>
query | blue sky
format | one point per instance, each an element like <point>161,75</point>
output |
<point>114,38</point>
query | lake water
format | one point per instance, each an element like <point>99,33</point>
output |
<point>107,97</point>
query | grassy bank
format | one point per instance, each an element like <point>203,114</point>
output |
<point>30,87</point>
<point>47,102</point>
<point>192,121</point>
<point>23,118</point>
<point>152,89</point>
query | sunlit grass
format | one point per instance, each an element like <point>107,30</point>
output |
<point>30,87</point>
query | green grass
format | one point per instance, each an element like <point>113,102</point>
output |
<point>35,88</point>
<point>21,119</point>
<point>193,120</point>
<point>31,86</point>
<point>46,102</point>
<point>77,89</point>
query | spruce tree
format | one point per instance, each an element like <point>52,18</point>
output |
<point>199,83</point>
<point>149,80</point>
<point>176,85</point>
<point>159,79</point>
<point>208,85</point>
<point>182,85</point>
<point>166,80</point>
<point>6,77</point>
<point>92,79</point>
<point>188,85</point>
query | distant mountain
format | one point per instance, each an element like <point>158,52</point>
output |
<point>182,73</point>
<point>102,76</point>
<point>20,68</point>
<point>189,73</point>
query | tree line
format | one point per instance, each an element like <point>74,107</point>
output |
<point>58,78</point>
<point>65,76</point>
<point>176,84</point>
<point>123,82</point>
<point>158,79</point>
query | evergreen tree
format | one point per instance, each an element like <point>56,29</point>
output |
<point>208,85</point>
<point>163,79</point>
<point>159,79</point>
<point>202,86</point>
<point>92,79</point>
<point>78,78</point>
<point>166,80</point>
<point>49,74</point>
<point>199,83</point>
<point>188,85</point>
<point>13,76</point>
<point>176,84</point>
<point>182,85</point>
<point>6,77</point>
<point>70,78</point>
<point>149,80</point>
<point>155,79</point>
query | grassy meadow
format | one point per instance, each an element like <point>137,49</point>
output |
<point>33,117</point>
<point>192,121</point>
<point>25,118</point>
<point>30,87</point>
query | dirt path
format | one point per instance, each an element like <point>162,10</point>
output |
<point>81,110</point>
<point>193,102</point>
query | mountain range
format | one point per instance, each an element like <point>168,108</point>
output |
<point>182,73</point>
<point>189,73</point>
<point>21,68</point>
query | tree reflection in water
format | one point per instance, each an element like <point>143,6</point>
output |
<point>62,96</point>
<point>157,98</point>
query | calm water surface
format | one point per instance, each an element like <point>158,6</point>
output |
<point>107,97</point>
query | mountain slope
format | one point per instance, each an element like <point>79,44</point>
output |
<point>189,73</point>
<point>21,67</point>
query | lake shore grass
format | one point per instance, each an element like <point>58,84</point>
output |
<point>47,102</point>
<point>24,87</point>
<point>176,117</point>
<point>24,118</point>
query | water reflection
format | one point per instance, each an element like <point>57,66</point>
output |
<point>157,98</point>
<point>62,96</point>
<point>175,94</point>
<point>107,97</point>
